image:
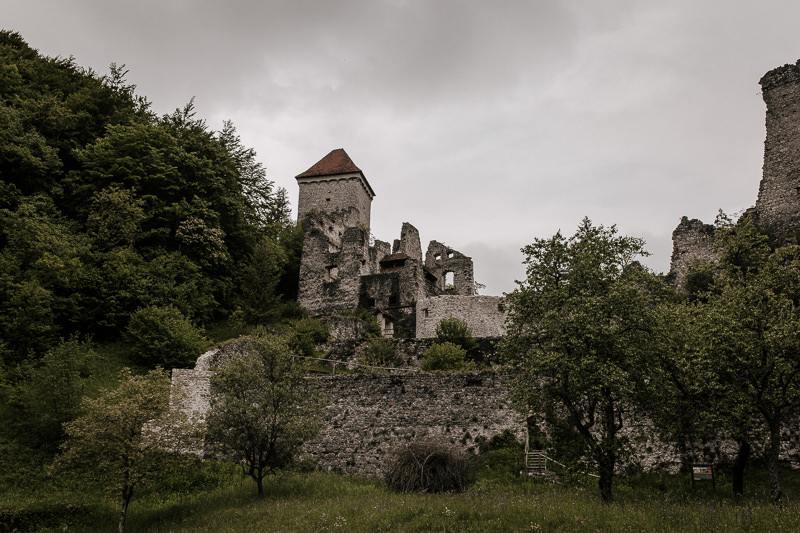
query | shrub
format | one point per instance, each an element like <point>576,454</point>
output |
<point>379,353</point>
<point>445,356</point>
<point>306,334</point>
<point>456,331</point>
<point>430,466</point>
<point>164,336</point>
<point>373,330</point>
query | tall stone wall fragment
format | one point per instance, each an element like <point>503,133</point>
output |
<point>778,204</point>
<point>441,260</point>
<point>692,243</point>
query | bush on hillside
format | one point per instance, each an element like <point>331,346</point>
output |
<point>445,357</point>
<point>456,331</point>
<point>164,336</point>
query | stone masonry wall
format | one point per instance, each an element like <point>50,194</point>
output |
<point>371,416</point>
<point>335,193</point>
<point>778,204</point>
<point>692,242</point>
<point>334,257</point>
<point>485,315</point>
<point>440,259</point>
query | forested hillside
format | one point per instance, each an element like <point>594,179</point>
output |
<point>118,224</point>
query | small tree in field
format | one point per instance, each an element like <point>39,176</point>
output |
<point>262,408</point>
<point>115,442</point>
<point>579,329</point>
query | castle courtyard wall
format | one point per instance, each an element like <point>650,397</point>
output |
<point>485,315</point>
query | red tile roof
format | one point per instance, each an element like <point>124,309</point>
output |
<point>336,162</point>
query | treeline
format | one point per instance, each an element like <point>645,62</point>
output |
<point>106,208</point>
<point>118,224</point>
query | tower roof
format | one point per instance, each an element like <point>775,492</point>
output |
<point>336,162</point>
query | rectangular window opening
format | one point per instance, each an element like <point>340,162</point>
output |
<point>331,273</point>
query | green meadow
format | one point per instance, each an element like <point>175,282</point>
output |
<point>215,497</point>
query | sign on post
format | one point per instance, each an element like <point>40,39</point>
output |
<point>703,473</point>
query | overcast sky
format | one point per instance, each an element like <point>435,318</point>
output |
<point>484,124</point>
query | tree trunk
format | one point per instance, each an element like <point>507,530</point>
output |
<point>606,468</point>
<point>127,494</point>
<point>772,462</point>
<point>742,457</point>
<point>608,449</point>
<point>260,485</point>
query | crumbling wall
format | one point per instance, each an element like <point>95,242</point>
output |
<point>692,243</point>
<point>191,392</point>
<point>485,315</point>
<point>334,256</point>
<point>778,204</point>
<point>408,243</point>
<point>369,416</point>
<point>346,328</point>
<point>441,259</point>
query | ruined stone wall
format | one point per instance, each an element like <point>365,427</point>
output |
<point>334,257</point>
<point>335,193</point>
<point>778,204</point>
<point>441,259</point>
<point>191,392</point>
<point>371,416</point>
<point>394,293</point>
<point>485,315</point>
<point>408,243</point>
<point>692,242</point>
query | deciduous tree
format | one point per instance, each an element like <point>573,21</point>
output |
<point>262,409</point>
<point>126,435</point>
<point>751,323</point>
<point>579,328</point>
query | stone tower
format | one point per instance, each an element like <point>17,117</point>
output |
<point>336,184</point>
<point>778,204</point>
<point>335,200</point>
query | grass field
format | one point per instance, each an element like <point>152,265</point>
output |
<point>218,499</point>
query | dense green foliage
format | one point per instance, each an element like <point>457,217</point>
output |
<point>445,356</point>
<point>455,331</point>
<point>163,336</point>
<point>126,436</point>
<point>379,354</point>
<point>750,322</point>
<point>106,208</point>
<point>123,235</point>
<point>580,333</point>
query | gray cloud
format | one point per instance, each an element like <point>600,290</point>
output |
<point>483,124</point>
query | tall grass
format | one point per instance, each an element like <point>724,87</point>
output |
<point>331,502</point>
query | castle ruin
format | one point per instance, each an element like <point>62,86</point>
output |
<point>777,209</point>
<point>342,269</point>
<point>370,414</point>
